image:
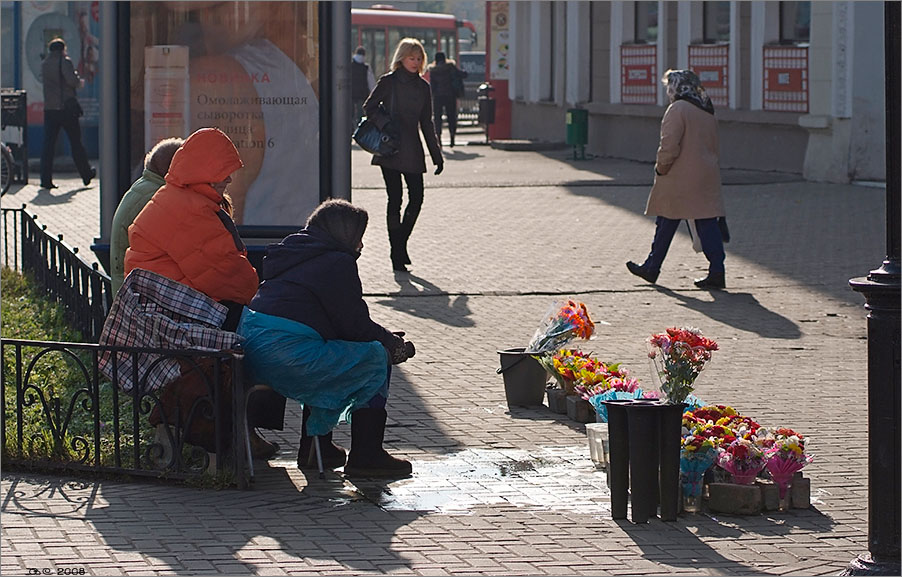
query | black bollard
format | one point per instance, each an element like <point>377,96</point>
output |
<point>618,464</point>
<point>643,429</point>
<point>670,426</point>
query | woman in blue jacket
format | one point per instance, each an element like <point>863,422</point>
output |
<point>310,337</point>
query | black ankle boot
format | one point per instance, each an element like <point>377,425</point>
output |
<point>367,457</point>
<point>333,456</point>
<point>712,281</point>
<point>395,239</point>
<point>643,272</point>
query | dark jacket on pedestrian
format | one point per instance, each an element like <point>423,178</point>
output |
<point>441,78</point>
<point>411,110</point>
<point>311,278</point>
<point>59,78</point>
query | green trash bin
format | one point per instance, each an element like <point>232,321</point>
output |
<point>577,127</point>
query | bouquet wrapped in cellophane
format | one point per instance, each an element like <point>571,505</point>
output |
<point>563,323</point>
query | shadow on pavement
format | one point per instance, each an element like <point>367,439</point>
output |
<point>326,525</point>
<point>739,310</point>
<point>45,197</point>
<point>454,311</point>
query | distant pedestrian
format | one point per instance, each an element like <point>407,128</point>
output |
<point>446,80</point>
<point>362,83</point>
<point>406,96</point>
<point>62,110</point>
<point>687,179</point>
<point>156,165</point>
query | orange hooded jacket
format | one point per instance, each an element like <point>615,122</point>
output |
<point>183,234</point>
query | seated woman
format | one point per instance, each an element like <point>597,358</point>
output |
<point>309,336</point>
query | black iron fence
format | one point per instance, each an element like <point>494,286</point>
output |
<point>82,289</point>
<point>59,412</point>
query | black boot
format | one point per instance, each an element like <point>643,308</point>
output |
<point>714,280</point>
<point>395,239</point>
<point>404,235</point>
<point>642,271</point>
<point>367,457</point>
<point>333,455</point>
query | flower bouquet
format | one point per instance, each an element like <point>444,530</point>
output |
<point>563,323</point>
<point>567,366</point>
<point>678,356</point>
<point>697,454</point>
<point>783,459</point>
<point>743,459</point>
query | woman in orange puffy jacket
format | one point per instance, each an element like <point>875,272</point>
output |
<point>184,233</point>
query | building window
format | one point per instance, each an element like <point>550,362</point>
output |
<point>716,22</point>
<point>795,22</point>
<point>646,23</point>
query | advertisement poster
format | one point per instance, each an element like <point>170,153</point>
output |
<point>250,69</point>
<point>499,65</point>
<point>78,24</point>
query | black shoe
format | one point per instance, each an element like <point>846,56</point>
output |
<point>49,186</point>
<point>90,177</point>
<point>643,272</point>
<point>333,456</point>
<point>712,281</point>
<point>452,141</point>
<point>398,266</point>
<point>367,457</point>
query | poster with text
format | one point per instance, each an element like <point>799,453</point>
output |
<point>499,64</point>
<point>250,69</point>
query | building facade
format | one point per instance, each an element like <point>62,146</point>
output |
<point>798,86</point>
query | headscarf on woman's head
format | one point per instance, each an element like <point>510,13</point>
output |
<point>685,85</point>
<point>343,221</point>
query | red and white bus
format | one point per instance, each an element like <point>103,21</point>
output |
<point>380,28</point>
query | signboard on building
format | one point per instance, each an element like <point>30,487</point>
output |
<point>499,63</point>
<point>786,78</point>
<point>638,74</point>
<point>712,65</point>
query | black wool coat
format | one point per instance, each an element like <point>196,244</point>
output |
<point>411,112</point>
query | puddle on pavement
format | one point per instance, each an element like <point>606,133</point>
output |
<point>549,478</point>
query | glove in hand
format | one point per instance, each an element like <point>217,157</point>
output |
<point>439,167</point>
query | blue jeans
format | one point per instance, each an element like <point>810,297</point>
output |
<point>708,234</point>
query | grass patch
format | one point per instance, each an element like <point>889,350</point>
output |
<point>63,418</point>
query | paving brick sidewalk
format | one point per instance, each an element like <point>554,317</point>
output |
<point>512,492</point>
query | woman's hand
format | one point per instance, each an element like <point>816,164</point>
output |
<point>439,167</point>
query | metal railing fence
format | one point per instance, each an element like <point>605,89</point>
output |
<point>82,289</point>
<point>59,412</point>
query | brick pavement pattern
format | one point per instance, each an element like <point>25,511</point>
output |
<point>500,491</point>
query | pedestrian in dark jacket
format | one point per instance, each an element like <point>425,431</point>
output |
<point>406,98</point>
<point>446,81</point>
<point>60,82</point>
<point>362,83</point>
<point>309,336</point>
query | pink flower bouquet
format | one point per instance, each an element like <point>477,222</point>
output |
<point>742,459</point>
<point>784,459</point>
<point>679,355</point>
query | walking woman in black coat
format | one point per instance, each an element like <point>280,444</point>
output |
<point>407,104</point>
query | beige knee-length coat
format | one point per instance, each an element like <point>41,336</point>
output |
<point>687,180</point>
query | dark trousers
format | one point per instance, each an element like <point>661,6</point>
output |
<point>415,187</point>
<point>708,234</point>
<point>449,106</point>
<point>53,121</point>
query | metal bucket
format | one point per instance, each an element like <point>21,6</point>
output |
<point>524,378</point>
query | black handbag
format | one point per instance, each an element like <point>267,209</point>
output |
<point>72,107</point>
<point>380,141</point>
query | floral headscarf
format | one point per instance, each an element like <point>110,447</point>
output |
<point>685,85</point>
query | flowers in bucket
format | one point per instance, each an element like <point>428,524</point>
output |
<point>697,454</point>
<point>563,323</point>
<point>678,356</point>
<point>785,457</point>
<point>567,366</point>
<point>743,459</point>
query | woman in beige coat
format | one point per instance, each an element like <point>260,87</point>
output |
<point>687,179</point>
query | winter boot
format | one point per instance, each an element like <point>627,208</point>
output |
<point>333,455</point>
<point>367,457</point>
<point>395,239</point>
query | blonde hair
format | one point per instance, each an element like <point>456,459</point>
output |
<point>407,47</point>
